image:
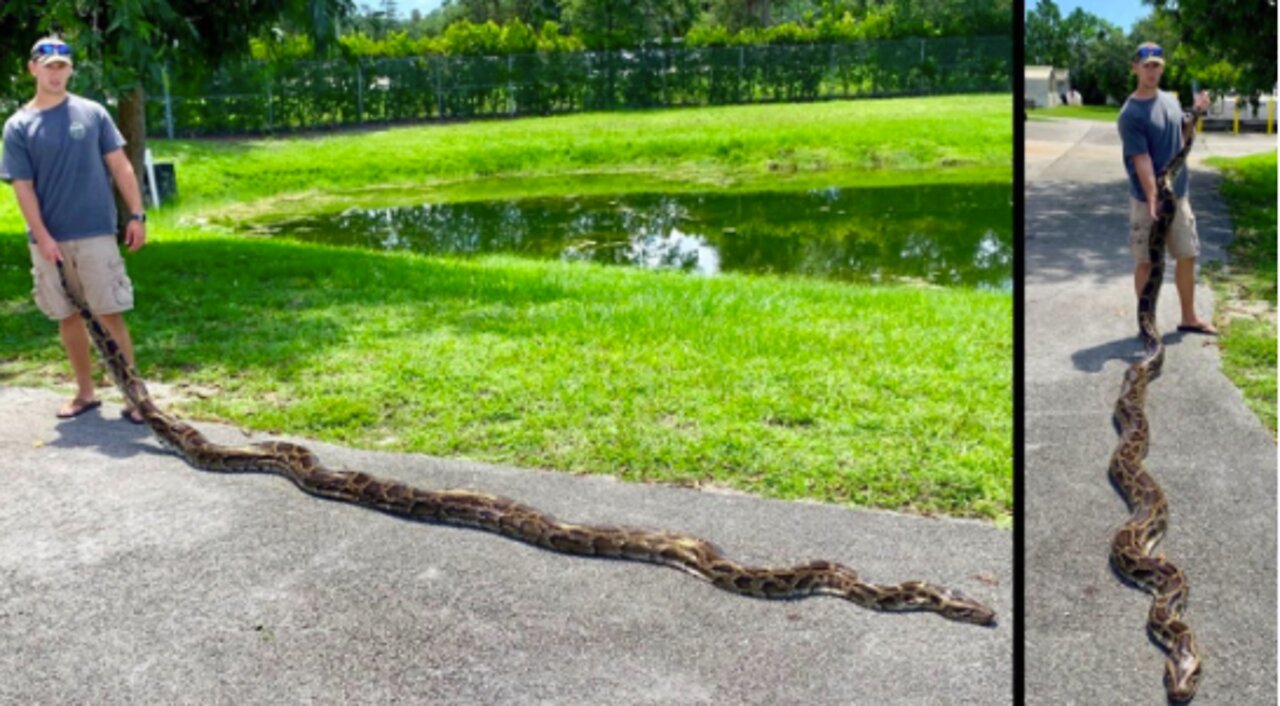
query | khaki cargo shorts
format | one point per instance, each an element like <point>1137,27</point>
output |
<point>94,265</point>
<point>1182,241</point>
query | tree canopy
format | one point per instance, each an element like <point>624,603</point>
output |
<point>119,44</point>
<point>1046,43</point>
<point>1195,34</point>
<point>130,40</point>
<point>616,24</point>
<point>1241,33</point>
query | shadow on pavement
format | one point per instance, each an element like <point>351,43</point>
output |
<point>108,435</point>
<point>1128,349</point>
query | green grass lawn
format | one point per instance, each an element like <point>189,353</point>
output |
<point>1104,113</point>
<point>956,139</point>
<point>847,143</point>
<point>893,397</point>
<point>1246,288</point>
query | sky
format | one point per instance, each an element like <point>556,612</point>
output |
<point>404,7</point>
<point>1122,13</point>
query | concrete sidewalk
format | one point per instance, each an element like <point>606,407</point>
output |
<point>1086,639</point>
<point>126,576</point>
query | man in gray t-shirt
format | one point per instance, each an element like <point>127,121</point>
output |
<point>62,153</point>
<point>1152,127</point>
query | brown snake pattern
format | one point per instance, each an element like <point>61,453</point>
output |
<point>1132,544</point>
<point>518,521</point>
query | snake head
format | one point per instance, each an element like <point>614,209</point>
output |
<point>964,609</point>
<point>1182,670</point>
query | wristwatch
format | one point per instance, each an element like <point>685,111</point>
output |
<point>140,216</point>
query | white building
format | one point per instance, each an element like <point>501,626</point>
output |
<point>1045,86</point>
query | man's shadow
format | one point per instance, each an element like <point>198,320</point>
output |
<point>109,435</point>
<point>1128,349</point>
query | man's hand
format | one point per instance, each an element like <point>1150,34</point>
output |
<point>1201,102</point>
<point>135,235</point>
<point>1153,207</point>
<point>49,249</point>
<point>1199,106</point>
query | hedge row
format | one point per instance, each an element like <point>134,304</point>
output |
<point>283,96</point>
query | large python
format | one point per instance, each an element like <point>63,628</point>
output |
<point>518,521</point>
<point>1132,544</point>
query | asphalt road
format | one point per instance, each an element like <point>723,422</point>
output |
<point>126,576</point>
<point>1085,641</point>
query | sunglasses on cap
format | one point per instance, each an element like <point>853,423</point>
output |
<point>1145,53</point>
<point>50,49</point>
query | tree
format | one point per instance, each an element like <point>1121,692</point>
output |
<point>617,24</point>
<point>481,11</point>
<point>737,15</point>
<point>1079,30</point>
<point>1093,46</point>
<point>1095,51</point>
<point>371,22</point>
<point>1104,74</point>
<point>1046,43</point>
<point>531,12</point>
<point>435,22</point>
<point>953,17</point>
<point>123,44</point>
<point>1239,32</point>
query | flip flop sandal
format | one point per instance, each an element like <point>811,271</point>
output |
<point>1197,328</point>
<point>127,415</point>
<point>79,407</point>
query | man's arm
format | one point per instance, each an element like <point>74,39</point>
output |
<point>1146,172</point>
<point>1133,138</point>
<point>135,233</point>
<point>29,204</point>
<point>1200,106</point>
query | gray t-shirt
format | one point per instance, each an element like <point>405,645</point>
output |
<point>1152,126</point>
<point>60,150</point>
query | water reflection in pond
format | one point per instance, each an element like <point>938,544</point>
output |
<point>950,235</point>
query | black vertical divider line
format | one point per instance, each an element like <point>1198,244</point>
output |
<point>1019,349</point>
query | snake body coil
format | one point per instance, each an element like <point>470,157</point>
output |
<point>521,522</point>
<point>1131,547</point>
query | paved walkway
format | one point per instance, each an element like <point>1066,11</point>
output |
<point>128,577</point>
<point>1086,642</point>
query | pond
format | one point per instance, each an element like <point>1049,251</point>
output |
<point>939,234</point>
